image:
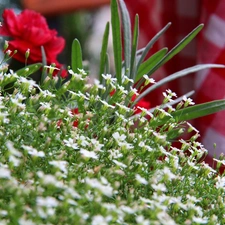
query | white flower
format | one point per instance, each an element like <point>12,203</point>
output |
<point>141,220</point>
<point>5,173</point>
<point>119,137</point>
<point>220,182</point>
<point>199,220</point>
<point>141,180</point>
<point>94,183</point>
<point>97,220</point>
<point>47,202</point>
<point>32,151</point>
<point>167,172</point>
<point>108,77</point>
<point>76,76</point>
<point>191,128</point>
<point>47,93</point>
<point>148,80</point>
<point>70,143</point>
<point>62,165</point>
<point>119,163</point>
<point>29,83</point>
<point>127,209</point>
<point>83,141</point>
<point>23,221</point>
<point>88,154</point>
<point>45,105</point>
<point>126,79</point>
<point>96,144</point>
<point>106,104</point>
<point>187,101</point>
<point>159,187</point>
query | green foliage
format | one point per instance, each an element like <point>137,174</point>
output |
<point>76,56</point>
<point>75,152</point>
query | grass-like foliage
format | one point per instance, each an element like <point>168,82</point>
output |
<point>80,152</point>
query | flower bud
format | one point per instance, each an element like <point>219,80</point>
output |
<point>6,45</point>
<point>27,53</point>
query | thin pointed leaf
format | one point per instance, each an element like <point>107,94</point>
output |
<point>126,34</point>
<point>194,112</point>
<point>44,73</point>
<point>116,36</point>
<point>178,47</point>
<point>28,70</point>
<point>176,75</point>
<point>107,64</point>
<point>76,56</point>
<point>151,43</point>
<point>199,110</point>
<point>104,51</point>
<point>134,48</point>
<point>146,66</point>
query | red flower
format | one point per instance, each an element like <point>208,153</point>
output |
<point>29,30</point>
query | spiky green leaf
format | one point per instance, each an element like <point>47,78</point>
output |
<point>76,56</point>
<point>116,36</point>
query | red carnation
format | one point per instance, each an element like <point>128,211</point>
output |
<point>29,30</point>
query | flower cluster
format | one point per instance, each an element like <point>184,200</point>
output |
<point>111,172</point>
<point>80,152</point>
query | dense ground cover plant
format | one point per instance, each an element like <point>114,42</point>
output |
<point>81,152</point>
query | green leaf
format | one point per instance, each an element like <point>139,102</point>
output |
<point>151,43</point>
<point>116,36</point>
<point>76,56</point>
<point>103,54</point>
<point>28,70</point>
<point>176,75</point>
<point>107,64</point>
<point>44,73</point>
<point>199,110</point>
<point>146,66</point>
<point>134,48</point>
<point>126,34</point>
<point>178,48</point>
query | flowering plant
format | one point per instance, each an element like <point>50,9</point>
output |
<point>75,152</point>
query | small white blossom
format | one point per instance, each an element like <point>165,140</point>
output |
<point>5,173</point>
<point>187,101</point>
<point>94,183</point>
<point>47,202</point>
<point>119,137</point>
<point>141,180</point>
<point>108,77</point>
<point>76,76</point>
<point>97,220</point>
<point>127,209</point>
<point>119,163</point>
<point>148,80</point>
<point>70,143</point>
<point>199,220</point>
<point>106,104</point>
<point>159,187</point>
<point>32,151</point>
<point>220,183</point>
<point>88,154</point>
<point>30,84</point>
<point>62,165</point>
<point>47,93</point>
<point>45,105</point>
